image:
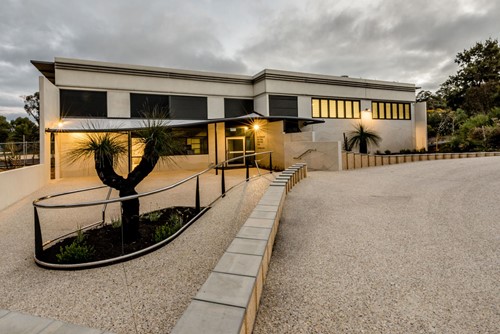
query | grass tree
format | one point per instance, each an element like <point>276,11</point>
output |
<point>362,137</point>
<point>107,148</point>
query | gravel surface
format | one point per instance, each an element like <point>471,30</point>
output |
<point>145,295</point>
<point>411,248</point>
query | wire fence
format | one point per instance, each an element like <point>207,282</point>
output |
<point>19,154</point>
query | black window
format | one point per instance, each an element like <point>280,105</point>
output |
<point>142,104</point>
<point>83,103</point>
<point>237,107</point>
<point>283,105</point>
<point>188,107</point>
<point>193,140</point>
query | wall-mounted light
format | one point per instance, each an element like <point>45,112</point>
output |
<point>366,115</point>
<point>256,127</point>
<point>60,124</point>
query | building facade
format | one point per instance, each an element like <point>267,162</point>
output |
<point>298,116</point>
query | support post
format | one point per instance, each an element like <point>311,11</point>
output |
<point>197,200</point>
<point>223,182</point>
<point>38,236</point>
<point>271,162</point>
<point>248,172</point>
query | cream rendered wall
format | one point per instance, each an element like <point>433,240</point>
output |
<point>320,90</point>
<point>274,141</point>
<point>19,183</point>
<point>118,104</point>
<point>134,83</point>
<point>49,117</point>
<point>324,155</point>
<point>261,104</point>
<point>215,106</point>
<point>421,125</point>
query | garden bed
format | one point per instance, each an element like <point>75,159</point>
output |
<point>105,241</point>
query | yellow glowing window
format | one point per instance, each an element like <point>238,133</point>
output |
<point>375,110</point>
<point>315,108</point>
<point>333,109</point>
<point>401,111</point>
<point>348,109</point>
<point>407,111</point>
<point>324,108</point>
<point>356,109</point>
<point>340,109</point>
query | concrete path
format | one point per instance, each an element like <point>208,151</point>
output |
<point>412,248</point>
<point>145,295</point>
<point>15,322</point>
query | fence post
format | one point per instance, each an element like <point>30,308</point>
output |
<point>271,162</point>
<point>223,182</point>
<point>248,172</point>
<point>197,199</point>
<point>38,236</point>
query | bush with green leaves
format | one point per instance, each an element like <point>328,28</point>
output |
<point>173,225</point>
<point>77,252</point>
<point>154,216</point>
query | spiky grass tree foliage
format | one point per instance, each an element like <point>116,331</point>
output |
<point>106,148</point>
<point>362,137</point>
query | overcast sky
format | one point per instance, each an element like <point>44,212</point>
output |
<point>396,40</point>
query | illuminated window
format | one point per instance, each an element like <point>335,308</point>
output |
<point>332,108</point>
<point>391,110</point>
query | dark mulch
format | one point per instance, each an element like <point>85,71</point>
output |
<point>107,241</point>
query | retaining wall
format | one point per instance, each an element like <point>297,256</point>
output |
<point>229,299</point>
<point>18,183</point>
<point>351,160</point>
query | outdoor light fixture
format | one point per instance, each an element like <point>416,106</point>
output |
<point>256,127</point>
<point>366,114</point>
<point>60,124</point>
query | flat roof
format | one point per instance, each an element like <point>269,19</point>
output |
<point>48,70</point>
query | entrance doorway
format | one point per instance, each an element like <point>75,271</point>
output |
<point>235,148</point>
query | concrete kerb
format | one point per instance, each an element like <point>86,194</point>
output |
<point>229,299</point>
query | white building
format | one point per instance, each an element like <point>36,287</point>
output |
<point>215,113</point>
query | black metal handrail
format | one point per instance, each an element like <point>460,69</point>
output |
<point>38,203</point>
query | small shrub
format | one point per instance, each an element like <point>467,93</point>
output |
<point>154,216</point>
<point>387,152</point>
<point>77,252</point>
<point>173,225</point>
<point>116,222</point>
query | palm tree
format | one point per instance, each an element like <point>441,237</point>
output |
<point>106,149</point>
<point>361,136</point>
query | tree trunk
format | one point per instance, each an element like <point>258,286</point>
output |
<point>363,147</point>
<point>130,215</point>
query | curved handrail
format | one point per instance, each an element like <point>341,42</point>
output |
<point>37,203</point>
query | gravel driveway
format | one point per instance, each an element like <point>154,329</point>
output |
<point>410,248</point>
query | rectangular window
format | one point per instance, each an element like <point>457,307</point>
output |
<point>391,110</point>
<point>280,105</point>
<point>237,107</point>
<point>188,107</point>
<point>334,108</point>
<point>193,140</point>
<point>356,109</point>
<point>172,106</point>
<point>143,104</point>
<point>324,108</point>
<point>315,108</point>
<point>83,103</point>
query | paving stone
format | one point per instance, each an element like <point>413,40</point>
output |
<point>239,264</point>
<point>254,233</point>
<point>227,289</point>
<point>204,317</point>
<point>247,246</point>
<point>263,214</point>
<point>259,222</point>
<point>18,323</point>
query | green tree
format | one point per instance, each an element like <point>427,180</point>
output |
<point>5,129</point>
<point>24,128</point>
<point>434,101</point>
<point>106,148</point>
<point>362,137</point>
<point>32,106</point>
<point>478,75</point>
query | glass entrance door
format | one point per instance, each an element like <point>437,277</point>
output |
<point>235,147</point>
